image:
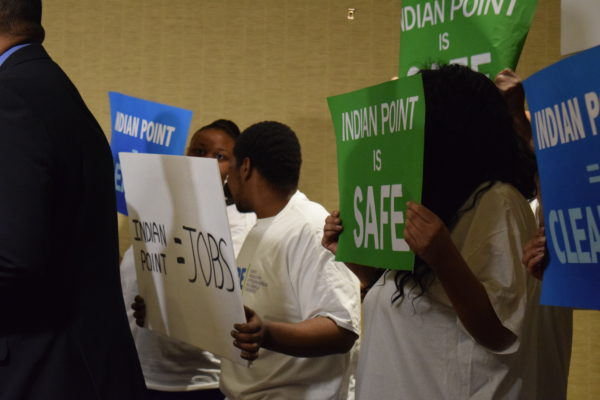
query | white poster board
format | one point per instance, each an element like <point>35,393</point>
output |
<point>580,27</point>
<point>183,250</point>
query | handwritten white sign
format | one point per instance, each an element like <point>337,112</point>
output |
<point>183,249</point>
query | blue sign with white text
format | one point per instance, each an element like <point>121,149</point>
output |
<point>142,126</point>
<point>565,117</point>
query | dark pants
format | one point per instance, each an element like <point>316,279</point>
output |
<point>210,394</point>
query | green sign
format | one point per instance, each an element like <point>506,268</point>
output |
<point>485,35</point>
<point>379,137</point>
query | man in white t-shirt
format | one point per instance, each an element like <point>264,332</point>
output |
<point>309,304</point>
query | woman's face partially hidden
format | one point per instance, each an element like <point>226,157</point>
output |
<point>213,143</point>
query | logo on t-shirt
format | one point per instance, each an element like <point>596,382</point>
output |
<point>250,280</point>
<point>242,275</point>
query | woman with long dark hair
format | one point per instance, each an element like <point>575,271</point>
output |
<point>462,324</point>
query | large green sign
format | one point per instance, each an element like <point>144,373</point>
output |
<point>485,35</point>
<point>379,136</point>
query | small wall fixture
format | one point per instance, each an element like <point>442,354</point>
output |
<point>351,12</point>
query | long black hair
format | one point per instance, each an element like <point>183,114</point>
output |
<point>469,140</point>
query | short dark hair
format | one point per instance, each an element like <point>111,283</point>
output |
<point>274,150</point>
<point>225,125</point>
<point>22,18</point>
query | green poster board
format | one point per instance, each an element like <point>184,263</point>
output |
<point>379,137</point>
<point>485,35</point>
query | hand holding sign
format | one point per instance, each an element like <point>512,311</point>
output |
<point>331,231</point>
<point>511,87</point>
<point>249,336</point>
<point>139,308</point>
<point>426,234</point>
<point>535,256</point>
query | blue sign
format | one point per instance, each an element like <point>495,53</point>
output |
<point>565,116</point>
<point>142,126</point>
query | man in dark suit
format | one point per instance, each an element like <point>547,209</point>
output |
<point>63,329</point>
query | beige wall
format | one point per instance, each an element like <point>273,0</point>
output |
<point>251,60</point>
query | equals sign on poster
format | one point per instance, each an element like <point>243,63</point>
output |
<point>593,168</point>
<point>180,260</point>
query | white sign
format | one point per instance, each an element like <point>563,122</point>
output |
<point>183,249</point>
<point>580,27</point>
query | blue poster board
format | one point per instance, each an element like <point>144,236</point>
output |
<point>565,116</point>
<point>142,126</point>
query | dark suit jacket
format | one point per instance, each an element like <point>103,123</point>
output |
<point>63,329</point>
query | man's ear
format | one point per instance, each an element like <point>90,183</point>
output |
<point>246,169</point>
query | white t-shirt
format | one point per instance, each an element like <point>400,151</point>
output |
<point>289,277</point>
<point>554,344</point>
<point>239,224</point>
<point>416,348</point>
<point>168,364</point>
